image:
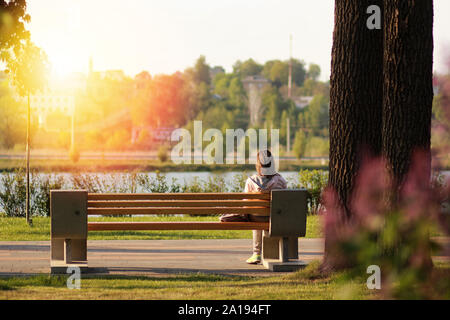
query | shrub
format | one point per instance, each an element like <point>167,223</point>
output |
<point>215,184</point>
<point>13,193</point>
<point>163,154</point>
<point>41,194</point>
<point>195,186</point>
<point>392,235</point>
<point>315,181</point>
<point>74,154</point>
<point>237,183</point>
<point>157,184</point>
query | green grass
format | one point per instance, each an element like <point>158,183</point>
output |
<point>16,229</point>
<point>305,284</point>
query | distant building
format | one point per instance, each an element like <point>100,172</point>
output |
<point>54,110</point>
<point>255,85</point>
<point>151,135</point>
<point>97,88</point>
<point>302,102</point>
<point>116,75</point>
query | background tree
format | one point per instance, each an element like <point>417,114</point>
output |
<point>201,71</point>
<point>299,146</point>
<point>29,72</point>
<point>12,117</point>
<point>278,72</point>
<point>13,17</point>
<point>197,87</point>
<point>313,72</point>
<point>247,68</point>
<point>315,116</point>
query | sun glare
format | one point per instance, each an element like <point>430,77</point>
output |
<point>65,62</point>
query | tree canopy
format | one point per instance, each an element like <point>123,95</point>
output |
<point>13,33</point>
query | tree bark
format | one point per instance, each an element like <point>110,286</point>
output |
<point>27,193</point>
<point>356,91</point>
<point>408,83</point>
<point>408,93</point>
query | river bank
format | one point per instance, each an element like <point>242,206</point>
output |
<point>140,165</point>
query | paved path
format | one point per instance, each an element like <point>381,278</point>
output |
<point>156,257</point>
<point>149,257</point>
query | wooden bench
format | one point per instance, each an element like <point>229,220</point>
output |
<point>69,212</point>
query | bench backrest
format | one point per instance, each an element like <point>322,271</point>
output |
<point>179,203</point>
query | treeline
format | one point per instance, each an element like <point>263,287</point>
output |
<point>116,112</point>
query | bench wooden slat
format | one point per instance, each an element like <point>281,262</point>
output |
<point>123,226</point>
<point>259,211</point>
<point>178,203</point>
<point>178,196</point>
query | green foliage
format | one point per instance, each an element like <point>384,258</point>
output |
<point>163,153</point>
<point>315,181</point>
<point>274,104</point>
<point>12,195</point>
<point>247,68</point>
<point>238,182</point>
<point>201,71</point>
<point>13,18</point>
<point>315,116</point>
<point>299,146</point>
<point>13,192</point>
<point>41,193</point>
<point>317,147</point>
<point>395,236</point>
<point>157,184</point>
<point>12,118</point>
<point>313,72</point>
<point>278,72</point>
<point>159,101</point>
<point>30,69</point>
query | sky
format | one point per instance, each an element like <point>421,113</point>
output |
<point>165,36</point>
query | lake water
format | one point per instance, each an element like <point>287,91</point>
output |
<point>182,178</point>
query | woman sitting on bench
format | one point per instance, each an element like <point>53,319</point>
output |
<point>266,179</point>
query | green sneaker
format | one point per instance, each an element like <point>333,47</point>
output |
<point>254,259</point>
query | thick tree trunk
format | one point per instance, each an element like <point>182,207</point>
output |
<point>408,91</point>
<point>355,93</point>
<point>355,100</point>
<point>408,82</point>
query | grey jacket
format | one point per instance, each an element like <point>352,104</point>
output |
<point>258,183</point>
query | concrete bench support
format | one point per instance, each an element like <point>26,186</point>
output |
<point>288,213</point>
<point>68,211</point>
